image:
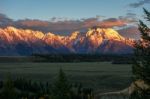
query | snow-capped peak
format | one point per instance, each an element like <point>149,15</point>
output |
<point>77,42</point>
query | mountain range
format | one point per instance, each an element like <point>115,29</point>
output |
<point>24,42</point>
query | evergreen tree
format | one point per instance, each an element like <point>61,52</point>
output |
<point>61,88</point>
<point>8,90</point>
<point>141,65</point>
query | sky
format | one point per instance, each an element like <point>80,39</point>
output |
<point>72,9</point>
<point>74,13</point>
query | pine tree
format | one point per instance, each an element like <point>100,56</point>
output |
<point>61,88</point>
<point>141,65</point>
<point>8,90</point>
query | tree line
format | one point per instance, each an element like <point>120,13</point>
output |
<point>21,88</point>
<point>115,59</point>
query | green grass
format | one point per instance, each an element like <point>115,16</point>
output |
<point>102,76</point>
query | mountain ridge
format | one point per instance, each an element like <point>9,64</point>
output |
<point>14,41</point>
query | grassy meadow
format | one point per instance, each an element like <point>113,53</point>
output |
<point>102,76</point>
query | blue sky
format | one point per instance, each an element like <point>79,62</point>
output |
<point>72,9</point>
<point>66,16</point>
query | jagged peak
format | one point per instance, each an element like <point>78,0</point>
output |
<point>18,31</point>
<point>74,35</point>
<point>93,34</point>
<point>11,28</point>
<point>14,29</point>
<point>39,35</point>
<point>88,41</point>
<point>50,34</point>
<point>106,33</point>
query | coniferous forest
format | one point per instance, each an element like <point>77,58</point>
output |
<point>61,88</point>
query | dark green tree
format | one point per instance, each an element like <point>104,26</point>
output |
<point>141,64</point>
<point>61,88</point>
<point>8,90</point>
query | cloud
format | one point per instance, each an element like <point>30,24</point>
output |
<point>139,3</point>
<point>113,22</point>
<point>130,32</point>
<point>129,18</point>
<point>5,21</point>
<point>130,14</point>
<point>33,23</point>
<point>64,26</point>
<point>49,26</point>
<point>106,23</point>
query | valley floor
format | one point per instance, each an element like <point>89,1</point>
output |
<point>101,76</point>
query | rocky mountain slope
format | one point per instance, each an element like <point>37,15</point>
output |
<point>15,41</point>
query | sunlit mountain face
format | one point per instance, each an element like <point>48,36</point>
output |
<point>15,41</point>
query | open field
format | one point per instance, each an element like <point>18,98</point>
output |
<point>102,76</point>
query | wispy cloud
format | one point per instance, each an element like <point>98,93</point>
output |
<point>139,3</point>
<point>130,32</point>
<point>64,26</point>
<point>5,21</point>
<point>130,14</point>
